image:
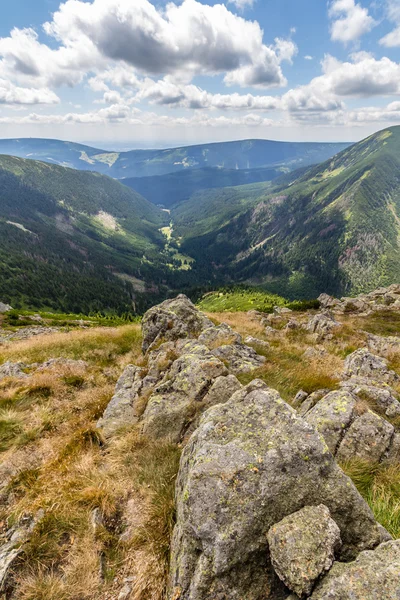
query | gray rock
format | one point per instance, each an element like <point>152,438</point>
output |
<point>282,310</point>
<point>175,400</point>
<point>62,362</point>
<point>223,335</point>
<point>292,325</point>
<point>372,576</point>
<point>317,352</point>
<point>172,320</point>
<point>239,358</point>
<point>303,546</point>
<point>368,438</point>
<point>362,363</point>
<point>384,346</point>
<point>331,416</point>
<point>9,369</point>
<point>383,396</point>
<point>252,462</point>
<point>122,408</point>
<point>299,398</point>
<point>4,308</point>
<point>271,332</point>
<point>311,401</point>
<point>222,390</point>
<point>322,325</point>
<point>252,341</point>
<point>392,456</point>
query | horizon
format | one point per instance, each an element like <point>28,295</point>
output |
<point>163,75</point>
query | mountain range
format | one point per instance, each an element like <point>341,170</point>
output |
<point>248,154</point>
<point>82,241</point>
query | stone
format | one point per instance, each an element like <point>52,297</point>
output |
<point>9,369</point>
<point>222,390</point>
<point>270,331</point>
<point>316,352</point>
<point>62,362</point>
<point>239,358</point>
<point>368,438</point>
<point>362,363</point>
<point>172,320</point>
<point>172,406</point>
<point>292,325</point>
<point>261,344</point>
<point>382,396</point>
<point>311,401</point>
<point>303,546</point>
<point>223,335</point>
<point>331,416</point>
<point>122,408</point>
<point>4,308</point>
<point>383,346</point>
<point>251,462</point>
<point>392,456</point>
<point>299,398</point>
<point>372,576</point>
<point>327,301</point>
<point>322,325</point>
<point>282,310</point>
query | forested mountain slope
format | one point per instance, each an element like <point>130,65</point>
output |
<point>75,241</point>
<point>335,228</point>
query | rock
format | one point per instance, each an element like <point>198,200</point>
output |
<point>392,456</point>
<point>252,462</point>
<point>383,346</point>
<point>62,362</point>
<point>222,390</point>
<point>331,416</point>
<point>385,535</point>
<point>172,406</point>
<point>252,341</point>
<point>362,363</point>
<point>270,331</point>
<point>299,398</point>
<point>126,591</point>
<point>311,401</point>
<point>292,325</point>
<point>322,325</point>
<point>4,308</point>
<point>239,358</point>
<point>9,369</point>
<point>223,335</point>
<point>368,438</point>
<point>382,396</point>
<point>282,310</point>
<point>302,547</point>
<point>172,320</point>
<point>315,352</point>
<point>327,301</point>
<point>372,576</point>
<point>122,408</point>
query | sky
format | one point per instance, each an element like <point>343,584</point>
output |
<point>153,73</point>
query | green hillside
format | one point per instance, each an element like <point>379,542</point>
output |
<point>335,228</point>
<point>248,154</point>
<point>173,188</point>
<point>75,241</point>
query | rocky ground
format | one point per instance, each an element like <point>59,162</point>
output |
<point>238,456</point>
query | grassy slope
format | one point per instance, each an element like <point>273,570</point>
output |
<point>48,434</point>
<point>335,228</point>
<point>67,254</point>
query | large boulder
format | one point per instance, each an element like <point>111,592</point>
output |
<point>4,308</point>
<point>252,462</point>
<point>174,402</point>
<point>368,438</point>
<point>382,396</point>
<point>303,546</point>
<point>372,576</point>
<point>223,335</point>
<point>322,325</point>
<point>172,320</point>
<point>362,363</point>
<point>239,358</point>
<point>384,346</point>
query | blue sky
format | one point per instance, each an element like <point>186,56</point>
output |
<point>148,73</point>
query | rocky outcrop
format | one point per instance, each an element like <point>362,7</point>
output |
<point>182,377</point>
<point>377,300</point>
<point>9,369</point>
<point>172,320</point>
<point>322,326</point>
<point>4,308</point>
<point>251,463</point>
<point>26,333</point>
<point>362,363</point>
<point>383,346</point>
<point>303,546</point>
<point>372,576</point>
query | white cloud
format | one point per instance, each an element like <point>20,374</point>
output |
<point>392,39</point>
<point>181,40</point>
<point>350,21</point>
<point>242,4</point>
<point>308,57</point>
<point>14,95</point>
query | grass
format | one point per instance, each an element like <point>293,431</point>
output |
<point>240,301</point>
<point>379,484</point>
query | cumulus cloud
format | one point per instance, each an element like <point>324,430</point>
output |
<point>182,40</point>
<point>14,95</point>
<point>392,39</point>
<point>350,21</point>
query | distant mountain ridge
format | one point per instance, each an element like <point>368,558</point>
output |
<point>246,154</point>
